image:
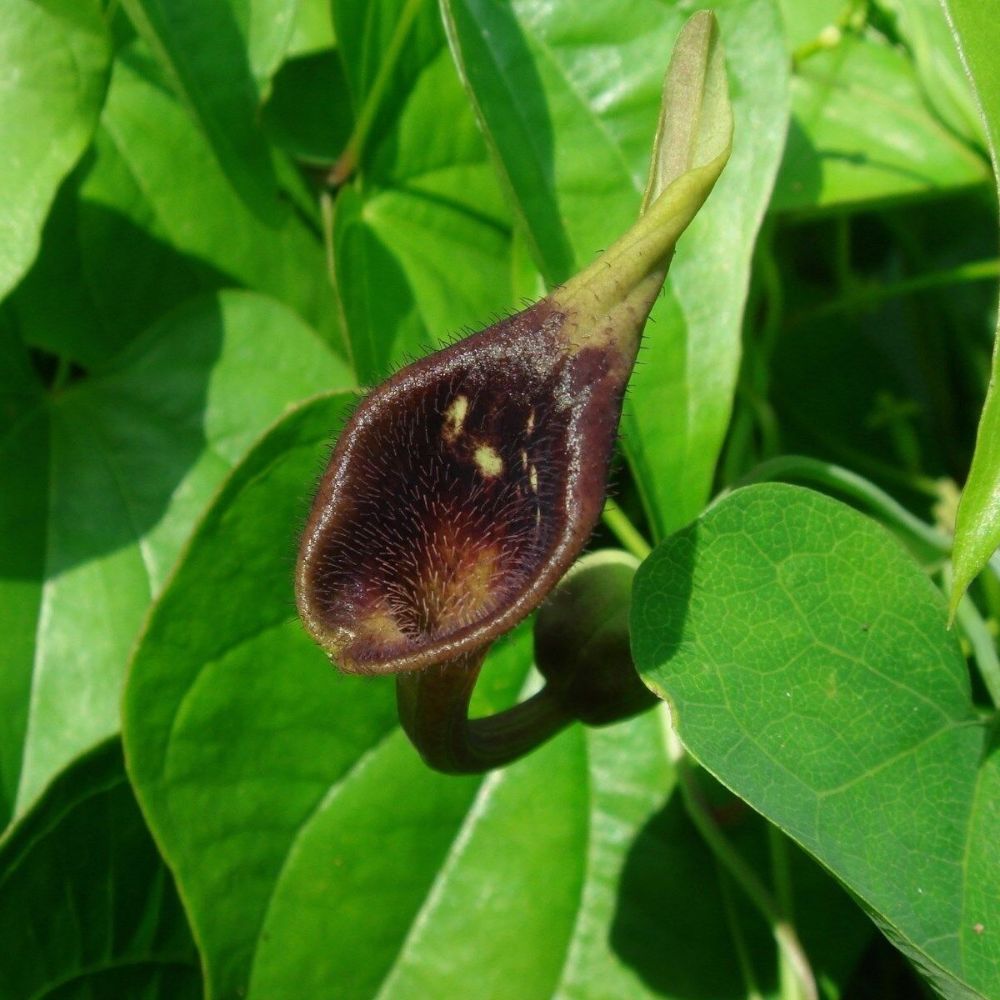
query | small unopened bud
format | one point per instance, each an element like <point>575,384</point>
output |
<point>582,641</point>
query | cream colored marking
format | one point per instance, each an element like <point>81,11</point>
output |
<point>379,626</point>
<point>454,418</point>
<point>530,425</point>
<point>488,459</point>
<point>533,478</point>
<point>524,460</point>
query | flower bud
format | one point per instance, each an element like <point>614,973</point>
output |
<point>582,641</point>
<point>465,485</point>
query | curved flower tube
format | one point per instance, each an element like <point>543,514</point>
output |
<point>464,486</point>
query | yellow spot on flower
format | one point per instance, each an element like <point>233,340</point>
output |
<point>454,418</point>
<point>488,459</point>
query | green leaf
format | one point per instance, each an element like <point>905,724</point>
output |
<point>807,664</point>
<point>149,229</point>
<point>312,30</point>
<point>219,56</point>
<point>837,157</point>
<point>946,86</point>
<point>55,57</point>
<point>412,272</point>
<point>112,472</point>
<point>569,101</point>
<point>977,527</point>
<point>270,740</point>
<point>68,324</point>
<point>421,239</point>
<point>391,41</point>
<point>345,865</point>
<point>308,113</point>
<point>87,907</point>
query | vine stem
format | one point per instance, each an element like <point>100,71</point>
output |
<point>860,296</point>
<point>624,530</point>
<point>739,939</point>
<point>782,875</point>
<point>348,160</point>
<point>781,928</point>
<point>978,634</point>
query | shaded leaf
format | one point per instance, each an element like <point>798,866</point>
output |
<point>87,907</point>
<point>923,25</point>
<point>807,664</point>
<point>395,40</point>
<point>112,471</point>
<point>55,55</point>
<point>308,112</point>
<point>218,56</point>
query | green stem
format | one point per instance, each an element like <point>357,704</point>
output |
<point>773,291</point>
<point>326,215</point>
<point>744,876</point>
<point>433,708</point>
<point>983,646</point>
<point>348,160</point>
<point>989,585</point>
<point>620,287</point>
<point>782,875</point>
<point>754,433</point>
<point>625,531</point>
<point>859,297</point>
<point>781,869</point>
<point>983,643</point>
<point>777,913</point>
<point>842,273</point>
<point>328,209</point>
<point>932,543</point>
<point>851,18</point>
<point>739,940</point>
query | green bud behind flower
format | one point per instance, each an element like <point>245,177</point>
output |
<point>582,641</point>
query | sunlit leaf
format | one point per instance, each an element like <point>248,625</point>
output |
<point>836,158</point>
<point>112,471</point>
<point>807,664</point>
<point>219,55</point>
<point>54,55</point>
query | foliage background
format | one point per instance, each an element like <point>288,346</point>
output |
<point>195,802</point>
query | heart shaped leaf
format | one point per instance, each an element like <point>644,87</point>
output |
<point>807,664</point>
